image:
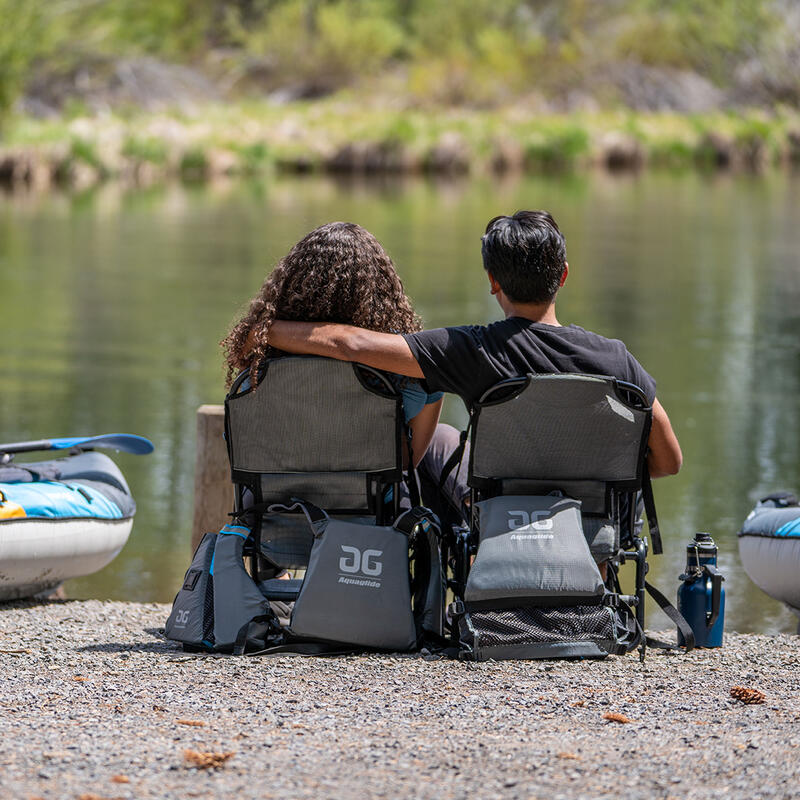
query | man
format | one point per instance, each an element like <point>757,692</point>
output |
<point>525,259</point>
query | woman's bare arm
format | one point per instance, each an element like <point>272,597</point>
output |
<point>422,427</point>
<point>665,457</point>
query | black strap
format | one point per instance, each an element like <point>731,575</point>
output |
<point>650,511</point>
<point>434,647</point>
<point>317,518</point>
<point>781,499</point>
<point>409,520</point>
<point>676,616</point>
<point>413,486</point>
<point>455,457</point>
<point>308,649</point>
<point>633,633</point>
<point>260,630</point>
<point>313,513</point>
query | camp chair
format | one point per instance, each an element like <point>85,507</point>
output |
<point>584,436</point>
<point>328,432</point>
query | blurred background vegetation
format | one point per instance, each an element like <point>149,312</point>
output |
<point>679,54</point>
<point>146,88</point>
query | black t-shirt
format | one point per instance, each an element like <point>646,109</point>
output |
<point>470,359</point>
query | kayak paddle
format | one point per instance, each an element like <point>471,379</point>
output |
<point>123,442</point>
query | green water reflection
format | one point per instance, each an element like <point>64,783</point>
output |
<point>113,303</point>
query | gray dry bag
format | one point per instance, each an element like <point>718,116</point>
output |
<point>358,586</point>
<point>534,590</point>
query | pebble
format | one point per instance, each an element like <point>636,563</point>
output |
<point>91,691</point>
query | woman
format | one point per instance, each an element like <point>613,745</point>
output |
<point>337,273</point>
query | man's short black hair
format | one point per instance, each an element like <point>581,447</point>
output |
<point>526,254</point>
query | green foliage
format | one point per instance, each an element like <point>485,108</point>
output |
<point>85,151</point>
<point>22,26</point>
<point>146,149</point>
<point>756,141</point>
<point>558,149</point>
<point>170,28</point>
<point>706,35</point>
<point>194,164</point>
<point>326,45</point>
<point>672,153</point>
<point>473,52</point>
<point>253,158</point>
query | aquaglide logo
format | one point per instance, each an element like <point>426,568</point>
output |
<point>538,520</point>
<point>356,562</point>
<point>182,618</point>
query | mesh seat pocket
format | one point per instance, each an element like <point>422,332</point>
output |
<point>533,632</point>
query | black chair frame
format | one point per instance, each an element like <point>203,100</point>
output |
<point>377,482</point>
<point>460,544</point>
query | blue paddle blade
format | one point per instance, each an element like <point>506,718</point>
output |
<point>123,442</point>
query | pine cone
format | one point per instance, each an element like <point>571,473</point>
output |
<point>746,695</point>
<point>613,716</point>
<point>206,760</point>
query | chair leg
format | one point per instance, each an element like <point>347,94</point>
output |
<point>455,558</point>
<point>641,574</point>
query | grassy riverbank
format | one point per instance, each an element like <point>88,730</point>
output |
<point>342,136</point>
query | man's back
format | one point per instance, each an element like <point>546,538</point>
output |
<point>470,359</point>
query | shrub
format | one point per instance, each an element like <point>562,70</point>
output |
<point>559,149</point>
<point>147,149</point>
<point>194,164</point>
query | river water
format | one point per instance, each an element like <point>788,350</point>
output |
<point>113,303</point>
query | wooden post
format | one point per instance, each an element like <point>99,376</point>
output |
<point>213,490</point>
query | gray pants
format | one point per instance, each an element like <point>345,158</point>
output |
<point>447,502</point>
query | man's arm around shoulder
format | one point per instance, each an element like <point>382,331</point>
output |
<point>386,351</point>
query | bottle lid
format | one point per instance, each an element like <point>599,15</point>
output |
<point>703,542</point>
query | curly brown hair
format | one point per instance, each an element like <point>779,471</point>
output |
<point>337,273</point>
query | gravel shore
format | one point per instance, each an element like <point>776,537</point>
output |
<point>96,704</point>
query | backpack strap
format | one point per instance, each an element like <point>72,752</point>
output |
<point>410,520</point>
<point>650,511</point>
<point>307,649</point>
<point>260,631</point>
<point>265,632</point>
<point>455,458</point>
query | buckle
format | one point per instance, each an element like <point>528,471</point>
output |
<point>456,609</point>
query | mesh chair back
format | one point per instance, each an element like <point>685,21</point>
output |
<point>559,427</point>
<point>314,415</point>
<point>314,428</point>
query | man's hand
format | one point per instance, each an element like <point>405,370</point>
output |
<point>665,457</point>
<point>386,351</point>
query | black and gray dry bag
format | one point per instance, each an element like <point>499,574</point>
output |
<point>534,590</point>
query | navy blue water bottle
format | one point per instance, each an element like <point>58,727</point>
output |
<point>701,595</point>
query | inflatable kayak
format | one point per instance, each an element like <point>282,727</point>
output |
<point>60,519</point>
<point>769,547</point>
